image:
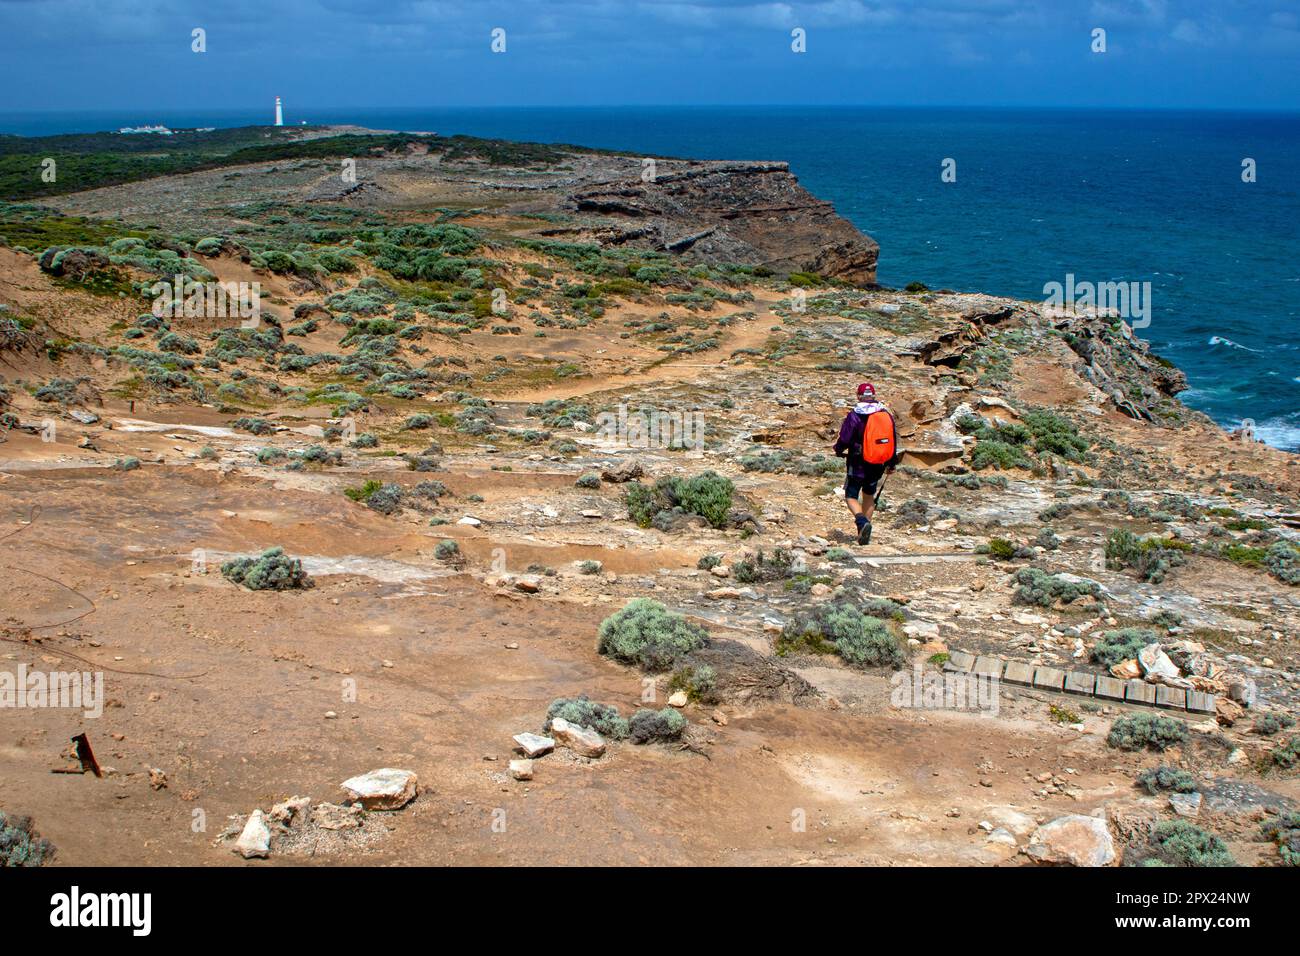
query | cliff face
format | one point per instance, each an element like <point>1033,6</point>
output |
<point>731,212</point>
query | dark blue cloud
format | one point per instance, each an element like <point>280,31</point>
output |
<point>86,54</point>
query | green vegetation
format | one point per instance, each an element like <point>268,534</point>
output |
<point>700,683</point>
<point>652,725</point>
<point>1143,731</point>
<point>602,718</point>
<point>1150,558</point>
<point>761,569</point>
<point>1008,444</point>
<point>20,844</point>
<point>1179,843</point>
<point>92,160</point>
<point>1162,779</point>
<point>1114,647</point>
<point>1062,715</point>
<point>1273,722</point>
<point>589,480</point>
<point>1037,587</point>
<point>647,634</point>
<point>707,494</point>
<point>840,627</point>
<point>1284,831</point>
<point>272,570</point>
<point>446,550</point>
<point>1287,754</point>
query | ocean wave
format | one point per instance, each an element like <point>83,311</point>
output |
<point>1282,432</point>
<point>1220,340</point>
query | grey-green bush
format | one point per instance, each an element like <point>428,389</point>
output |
<point>602,718</point>
<point>272,570</point>
<point>650,725</point>
<point>1142,731</point>
<point>647,634</point>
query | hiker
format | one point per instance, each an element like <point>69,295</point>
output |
<point>869,445</point>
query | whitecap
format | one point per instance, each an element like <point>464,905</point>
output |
<point>1220,340</point>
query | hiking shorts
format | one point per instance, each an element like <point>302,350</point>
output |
<point>857,485</point>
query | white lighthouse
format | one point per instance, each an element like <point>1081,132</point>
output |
<point>279,113</point>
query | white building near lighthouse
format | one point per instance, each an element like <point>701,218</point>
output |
<point>279,113</point>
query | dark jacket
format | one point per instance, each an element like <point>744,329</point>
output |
<point>849,446</point>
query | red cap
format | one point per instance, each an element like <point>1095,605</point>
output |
<point>866,388</point>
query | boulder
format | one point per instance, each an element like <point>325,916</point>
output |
<point>677,699</point>
<point>1186,804</point>
<point>534,745</point>
<point>384,789</point>
<point>1073,840</point>
<point>1156,665</point>
<point>580,740</point>
<point>521,769</point>
<point>255,841</point>
<point>623,471</point>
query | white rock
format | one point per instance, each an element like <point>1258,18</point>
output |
<point>580,740</point>
<point>1186,804</point>
<point>255,841</point>
<point>534,745</point>
<point>383,789</point>
<point>921,629</point>
<point>1073,840</point>
<point>677,699</point>
<point>1156,663</point>
<point>521,769</point>
<point>1005,837</point>
<point>720,571</point>
<point>470,520</point>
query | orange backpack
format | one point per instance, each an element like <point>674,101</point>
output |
<point>879,443</point>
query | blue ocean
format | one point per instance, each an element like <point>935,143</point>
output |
<point>1038,195</point>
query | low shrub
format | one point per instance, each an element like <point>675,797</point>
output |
<point>651,725</point>
<point>20,844</point>
<point>1179,843</point>
<point>272,570</point>
<point>647,634</point>
<point>1287,755</point>
<point>602,718</point>
<point>1150,558</point>
<point>1143,731</point>
<point>1273,723</point>
<point>1283,562</point>
<point>840,627</point>
<point>700,683</point>
<point>1164,779</point>
<point>446,550</point>
<point>589,480</point>
<point>1114,647</point>
<point>1284,830</point>
<point>762,568</point>
<point>1037,587</point>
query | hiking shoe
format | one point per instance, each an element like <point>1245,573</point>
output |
<point>864,533</point>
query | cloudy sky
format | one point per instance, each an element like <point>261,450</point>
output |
<point>117,54</point>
